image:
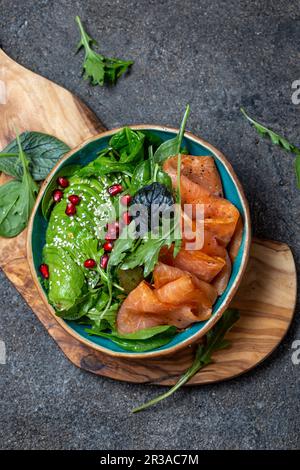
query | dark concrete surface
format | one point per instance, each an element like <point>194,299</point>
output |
<point>215,55</point>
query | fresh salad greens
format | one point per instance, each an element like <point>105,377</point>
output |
<point>28,158</point>
<point>277,140</point>
<point>96,67</point>
<point>94,253</point>
<point>214,341</point>
<point>17,198</point>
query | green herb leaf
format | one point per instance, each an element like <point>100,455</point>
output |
<point>42,151</point>
<point>277,140</point>
<point>172,147</point>
<point>98,68</point>
<point>203,356</point>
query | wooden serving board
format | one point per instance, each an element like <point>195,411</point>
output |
<point>266,297</point>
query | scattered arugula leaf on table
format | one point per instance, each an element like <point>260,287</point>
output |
<point>98,68</point>
<point>277,140</point>
<point>214,341</point>
<point>17,199</point>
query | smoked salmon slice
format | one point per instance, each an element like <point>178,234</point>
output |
<point>178,303</point>
<point>220,216</point>
<point>163,274</point>
<point>200,264</point>
<point>202,170</point>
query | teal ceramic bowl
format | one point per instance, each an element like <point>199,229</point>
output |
<point>233,191</point>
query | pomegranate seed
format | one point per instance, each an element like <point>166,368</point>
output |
<point>89,263</point>
<point>57,195</point>
<point>126,218</point>
<point>104,261</point>
<point>70,209</point>
<point>108,246</point>
<point>62,181</point>
<point>126,200</point>
<point>74,199</point>
<point>115,189</point>
<point>44,271</point>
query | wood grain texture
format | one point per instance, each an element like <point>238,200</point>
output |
<point>266,297</point>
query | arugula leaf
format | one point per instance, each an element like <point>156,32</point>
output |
<point>141,341</point>
<point>277,140</point>
<point>42,151</point>
<point>103,318</point>
<point>96,67</point>
<point>122,245</point>
<point>172,147</point>
<point>297,170</point>
<point>214,342</point>
<point>17,199</point>
<point>146,254</point>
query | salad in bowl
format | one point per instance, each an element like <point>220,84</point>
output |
<point>137,242</point>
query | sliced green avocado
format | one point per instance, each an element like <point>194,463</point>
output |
<point>66,280</point>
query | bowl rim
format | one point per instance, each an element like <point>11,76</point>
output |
<point>213,320</point>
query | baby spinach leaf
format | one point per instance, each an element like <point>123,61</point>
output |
<point>105,165</point>
<point>163,178</point>
<point>42,150</point>
<point>137,343</point>
<point>17,199</point>
<point>147,333</point>
<point>152,139</point>
<point>172,147</point>
<point>128,144</point>
<point>141,176</point>
<point>214,342</point>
